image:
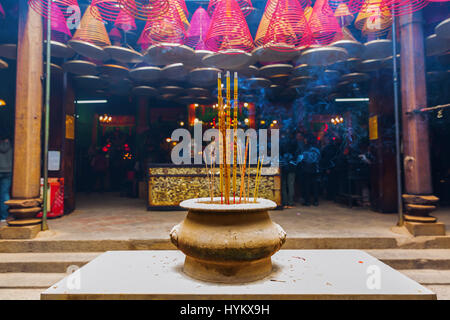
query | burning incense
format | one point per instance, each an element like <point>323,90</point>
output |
<point>242,188</point>
<point>227,147</point>
<point>221,129</point>
<point>258,179</point>
<point>249,166</point>
<point>235,121</point>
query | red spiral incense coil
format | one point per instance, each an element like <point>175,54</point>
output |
<point>92,30</point>
<point>353,6</point>
<point>288,28</point>
<point>59,30</point>
<point>167,28</point>
<point>228,29</point>
<point>41,7</point>
<point>2,12</point>
<point>199,27</point>
<point>245,5</point>
<point>106,9</point>
<point>144,9</point>
<point>144,41</point>
<point>125,22</point>
<point>401,7</point>
<point>323,24</point>
<point>374,19</point>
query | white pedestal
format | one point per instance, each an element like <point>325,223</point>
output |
<point>297,274</point>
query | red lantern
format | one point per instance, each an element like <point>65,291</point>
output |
<point>245,5</point>
<point>41,6</point>
<point>144,9</point>
<point>199,27</point>
<point>228,29</point>
<point>323,24</point>
<point>288,28</point>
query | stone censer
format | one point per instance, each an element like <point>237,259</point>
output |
<point>228,243</point>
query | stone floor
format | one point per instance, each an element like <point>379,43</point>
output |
<point>108,216</point>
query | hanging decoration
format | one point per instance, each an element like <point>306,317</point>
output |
<point>373,19</point>
<point>2,12</point>
<point>92,30</point>
<point>199,27</point>
<point>245,5</point>
<point>105,9</point>
<point>264,22</point>
<point>60,32</point>
<point>144,9</point>
<point>65,6</point>
<point>167,28</point>
<point>180,5</point>
<point>343,14</point>
<point>352,6</point>
<point>228,29</point>
<point>288,29</point>
<point>125,22</point>
<point>323,24</point>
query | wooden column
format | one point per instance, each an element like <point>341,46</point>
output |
<point>383,180</point>
<point>25,201</point>
<point>419,201</point>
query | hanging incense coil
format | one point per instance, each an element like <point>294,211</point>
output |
<point>125,22</point>
<point>41,7</point>
<point>92,30</point>
<point>323,24</point>
<point>343,14</point>
<point>166,28</point>
<point>106,9</point>
<point>402,7</point>
<point>180,5</point>
<point>2,12</point>
<point>245,5</point>
<point>341,6</point>
<point>288,29</point>
<point>196,34</point>
<point>90,37</point>
<point>145,9</point>
<point>373,19</point>
<point>59,30</point>
<point>228,29</point>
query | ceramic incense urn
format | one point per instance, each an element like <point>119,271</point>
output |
<point>228,243</point>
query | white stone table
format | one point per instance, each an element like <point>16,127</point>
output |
<point>298,274</point>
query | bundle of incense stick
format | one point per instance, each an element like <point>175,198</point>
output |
<point>226,147</point>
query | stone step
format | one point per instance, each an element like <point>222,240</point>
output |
<point>428,276</point>
<point>43,262</point>
<point>20,294</point>
<point>22,280</point>
<point>364,243</point>
<point>400,259</point>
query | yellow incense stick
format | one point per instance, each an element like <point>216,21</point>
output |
<point>235,122</point>
<point>256,178</point>
<point>242,188</point>
<point>227,147</point>
<point>220,114</point>
<point>259,177</point>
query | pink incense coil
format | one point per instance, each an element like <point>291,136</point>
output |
<point>402,7</point>
<point>106,9</point>
<point>245,5</point>
<point>353,6</point>
<point>115,35</point>
<point>199,27</point>
<point>288,28</point>
<point>125,22</point>
<point>41,7</point>
<point>2,12</point>
<point>144,42</point>
<point>323,24</point>
<point>228,29</point>
<point>60,31</point>
<point>144,9</point>
<point>167,28</point>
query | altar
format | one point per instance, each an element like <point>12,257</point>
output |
<point>297,274</point>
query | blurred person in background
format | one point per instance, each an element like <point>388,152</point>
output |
<point>6,160</point>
